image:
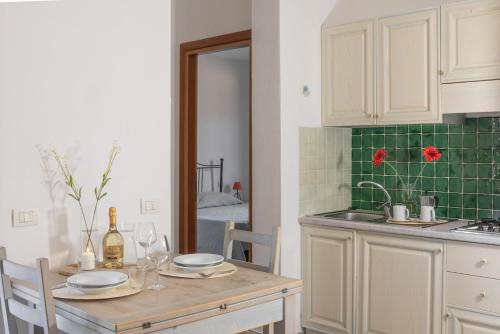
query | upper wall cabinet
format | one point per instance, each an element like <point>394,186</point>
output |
<point>471,41</point>
<point>348,74</point>
<point>408,74</point>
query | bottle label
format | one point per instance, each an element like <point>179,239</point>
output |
<point>114,252</point>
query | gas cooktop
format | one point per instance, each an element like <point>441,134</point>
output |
<point>482,226</point>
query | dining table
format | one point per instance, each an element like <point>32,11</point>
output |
<point>245,300</point>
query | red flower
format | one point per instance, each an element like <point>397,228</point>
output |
<point>379,156</point>
<point>431,153</point>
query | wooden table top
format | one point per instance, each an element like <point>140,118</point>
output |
<point>180,298</point>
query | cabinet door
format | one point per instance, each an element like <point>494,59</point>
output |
<point>460,321</point>
<point>408,69</point>
<point>328,279</point>
<point>400,285</point>
<point>471,41</point>
<point>348,74</point>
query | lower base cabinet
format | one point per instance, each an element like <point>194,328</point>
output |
<point>400,285</point>
<point>461,321</point>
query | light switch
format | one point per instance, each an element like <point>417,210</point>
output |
<point>21,218</point>
<point>150,206</point>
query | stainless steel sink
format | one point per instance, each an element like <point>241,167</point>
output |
<point>354,215</point>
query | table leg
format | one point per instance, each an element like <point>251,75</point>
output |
<point>287,326</point>
<point>268,329</point>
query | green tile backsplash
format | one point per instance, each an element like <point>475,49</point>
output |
<point>466,179</point>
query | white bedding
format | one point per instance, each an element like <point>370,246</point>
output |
<point>211,225</point>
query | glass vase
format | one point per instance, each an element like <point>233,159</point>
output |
<point>409,198</point>
<point>89,234</point>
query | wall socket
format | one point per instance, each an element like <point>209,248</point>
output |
<point>22,218</point>
<point>150,206</point>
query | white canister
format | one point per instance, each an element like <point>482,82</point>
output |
<point>400,212</point>
<point>427,213</point>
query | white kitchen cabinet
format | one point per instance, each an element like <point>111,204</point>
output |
<point>470,33</point>
<point>327,260</point>
<point>407,69</point>
<point>463,321</point>
<point>400,285</point>
<point>348,74</point>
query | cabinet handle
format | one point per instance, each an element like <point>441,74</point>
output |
<point>447,315</point>
<point>483,262</point>
<point>482,295</point>
<point>438,251</point>
<point>441,72</point>
<point>349,238</point>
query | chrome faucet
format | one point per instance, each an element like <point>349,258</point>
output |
<point>387,205</point>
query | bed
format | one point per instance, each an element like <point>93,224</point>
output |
<point>215,208</point>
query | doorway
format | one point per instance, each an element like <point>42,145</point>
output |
<point>215,174</point>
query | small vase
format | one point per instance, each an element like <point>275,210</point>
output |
<point>409,197</point>
<point>89,237</point>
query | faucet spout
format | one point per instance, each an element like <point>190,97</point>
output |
<point>388,203</point>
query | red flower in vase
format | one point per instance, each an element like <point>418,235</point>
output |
<point>431,154</point>
<point>379,156</point>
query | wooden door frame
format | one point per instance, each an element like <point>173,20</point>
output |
<point>188,129</point>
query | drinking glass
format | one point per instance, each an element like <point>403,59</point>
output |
<point>146,234</point>
<point>158,253</point>
<point>130,248</point>
<point>137,277</point>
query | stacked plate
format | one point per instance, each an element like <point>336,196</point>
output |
<point>94,282</point>
<point>198,262</point>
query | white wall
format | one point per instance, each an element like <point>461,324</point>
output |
<point>79,75</point>
<point>193,20</point>
<point>223,119</point>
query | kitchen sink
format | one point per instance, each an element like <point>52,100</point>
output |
<point>354,215</point>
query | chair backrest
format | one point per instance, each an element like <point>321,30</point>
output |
<point>43,314</point>
<point>271,241</point>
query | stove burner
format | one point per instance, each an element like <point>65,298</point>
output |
<point>487,225</point>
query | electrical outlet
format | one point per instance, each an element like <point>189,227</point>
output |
<point>150,206</point>
<point>22,218</point>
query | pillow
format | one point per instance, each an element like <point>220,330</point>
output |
<point>208,200</point>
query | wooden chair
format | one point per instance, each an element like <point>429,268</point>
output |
<point>43,313</point>
<point>270,241</point>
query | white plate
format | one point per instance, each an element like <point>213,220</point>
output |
<point>97,279</point>
<point>196,269</point>
<point>95,291</point>
<point>198,260</point>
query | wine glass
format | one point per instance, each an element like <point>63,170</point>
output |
<point>158,253</point>
<point>146,234</point>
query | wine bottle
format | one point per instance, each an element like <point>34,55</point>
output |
<point>112,244</point>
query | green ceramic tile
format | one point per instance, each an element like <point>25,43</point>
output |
<point>485,140</point>
<point>379,178</point>
<point>444,155</point>
<point>403,155</point>
<point>470,201</point>
<point>366,131</point>
<point>416,140</point>
<point>356,154</point>
<point>455,213</point>
<point>496,155</point>
<point>469,170</point>
<point>427,128</point>
<point>455,200</point>
<point>378,130</point>
<point>455,185</point>
<point>470,186</point>
<point>484,171</point>
<point>415,169</point>
<point>496,187</point>
<point>469,155</point>
<point>469,140</point>
<point>496,139</point>
<point>455,155</point>
<point>441,128</point>
<point>485,155</point>
<point>441,169</point>
<point>402,129</point>
<point>366,194</point>
<point>441,184</point>
<point>390,140</point>
<point>416,128</point>
<point>356,193</point>
<point>355,178</point>
<point>367,140</point>
<point>378,141</point>
<point>442,212</point>
<point>455,141</point>
<point>484,186</point>
<point>356,141</point>
<point>402,168</point>
<point>378,170</point>
<point>367,154</point>
<point>366,167</point>
<point>482,214</point>
<point>469,214</point>
<point>390,182</point>
<point>402,140</point>
<point>455,128</point>
<point>428,183</point>
<point>441,141</point>
<point>356,204</point>
<point>429,170</point>
<point>356,167</point>
<point>470,125</point>
<point>428,139</point>
<point>390,130</point>
<point>485,201</point>
<point>415,155</point>
<point>390,154</point>
<point>485,124</point>
<point>455,170</point>
<point>496,202</point>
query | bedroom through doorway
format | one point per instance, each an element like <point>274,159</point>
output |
<point>215,143</point>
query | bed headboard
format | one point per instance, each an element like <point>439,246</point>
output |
<point>201,169</point>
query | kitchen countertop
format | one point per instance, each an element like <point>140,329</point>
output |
<point>442,231</point>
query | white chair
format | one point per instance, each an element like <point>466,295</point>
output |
<point>270,241</point>
<point>43,313</point>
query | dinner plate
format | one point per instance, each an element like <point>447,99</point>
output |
<point>95,291</point>
<point>198,260</point>
<point>97,279</point>
<point>197,269</point>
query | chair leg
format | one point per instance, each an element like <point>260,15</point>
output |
<point>268,329</point>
